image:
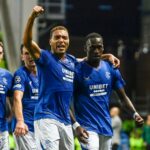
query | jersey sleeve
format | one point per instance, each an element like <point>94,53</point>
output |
<point>19,81</point>
<point>118,80</point>
<point>73,59</point>
<point>10,80</point>
<point>45,57</point>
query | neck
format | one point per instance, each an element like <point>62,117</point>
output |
<point>94,64</point>
<point>60,56</point>
<point>32,69</point>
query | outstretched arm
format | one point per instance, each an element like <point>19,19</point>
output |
<point>32,46</point>
<point>138,119</point>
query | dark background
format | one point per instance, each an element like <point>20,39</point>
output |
<point>113,19</point>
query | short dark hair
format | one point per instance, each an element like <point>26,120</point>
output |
<point>93,35</point>
<point>57,28</point>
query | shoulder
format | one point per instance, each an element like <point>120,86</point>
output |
<point>107,64</point>
<point>21,74</point>
<point>71,57</point>
<point>80,64</point>
<point>2,70</point>
<point>20,71</point>
<point>46,52</point>
<point>80,67</point>
<point>5,72</point>
<point>110,66</point>
<point>6,77</point>
<point>45,57</point>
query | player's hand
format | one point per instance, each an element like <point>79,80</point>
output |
<point>139,120</point>
<point>21,128</point>
<point>82,134</point>
<point>37,10</point>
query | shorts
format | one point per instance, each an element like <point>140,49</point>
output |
<point>26,142</point>
<point>4,140</point>
<point>97,142</point>
<point>51,134</point>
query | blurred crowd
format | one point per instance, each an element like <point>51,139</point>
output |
<point>129,50</point>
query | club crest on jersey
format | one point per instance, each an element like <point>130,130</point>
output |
<point>107,75</point>
<point>4,81</point>
<point>17,79</point>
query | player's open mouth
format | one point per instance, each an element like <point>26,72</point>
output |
<point>61,46</point>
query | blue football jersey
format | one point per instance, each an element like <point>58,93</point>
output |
<point>56,86</point>
<point>5,90</point>
<point>27,83</point>
<point>93,87</point>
